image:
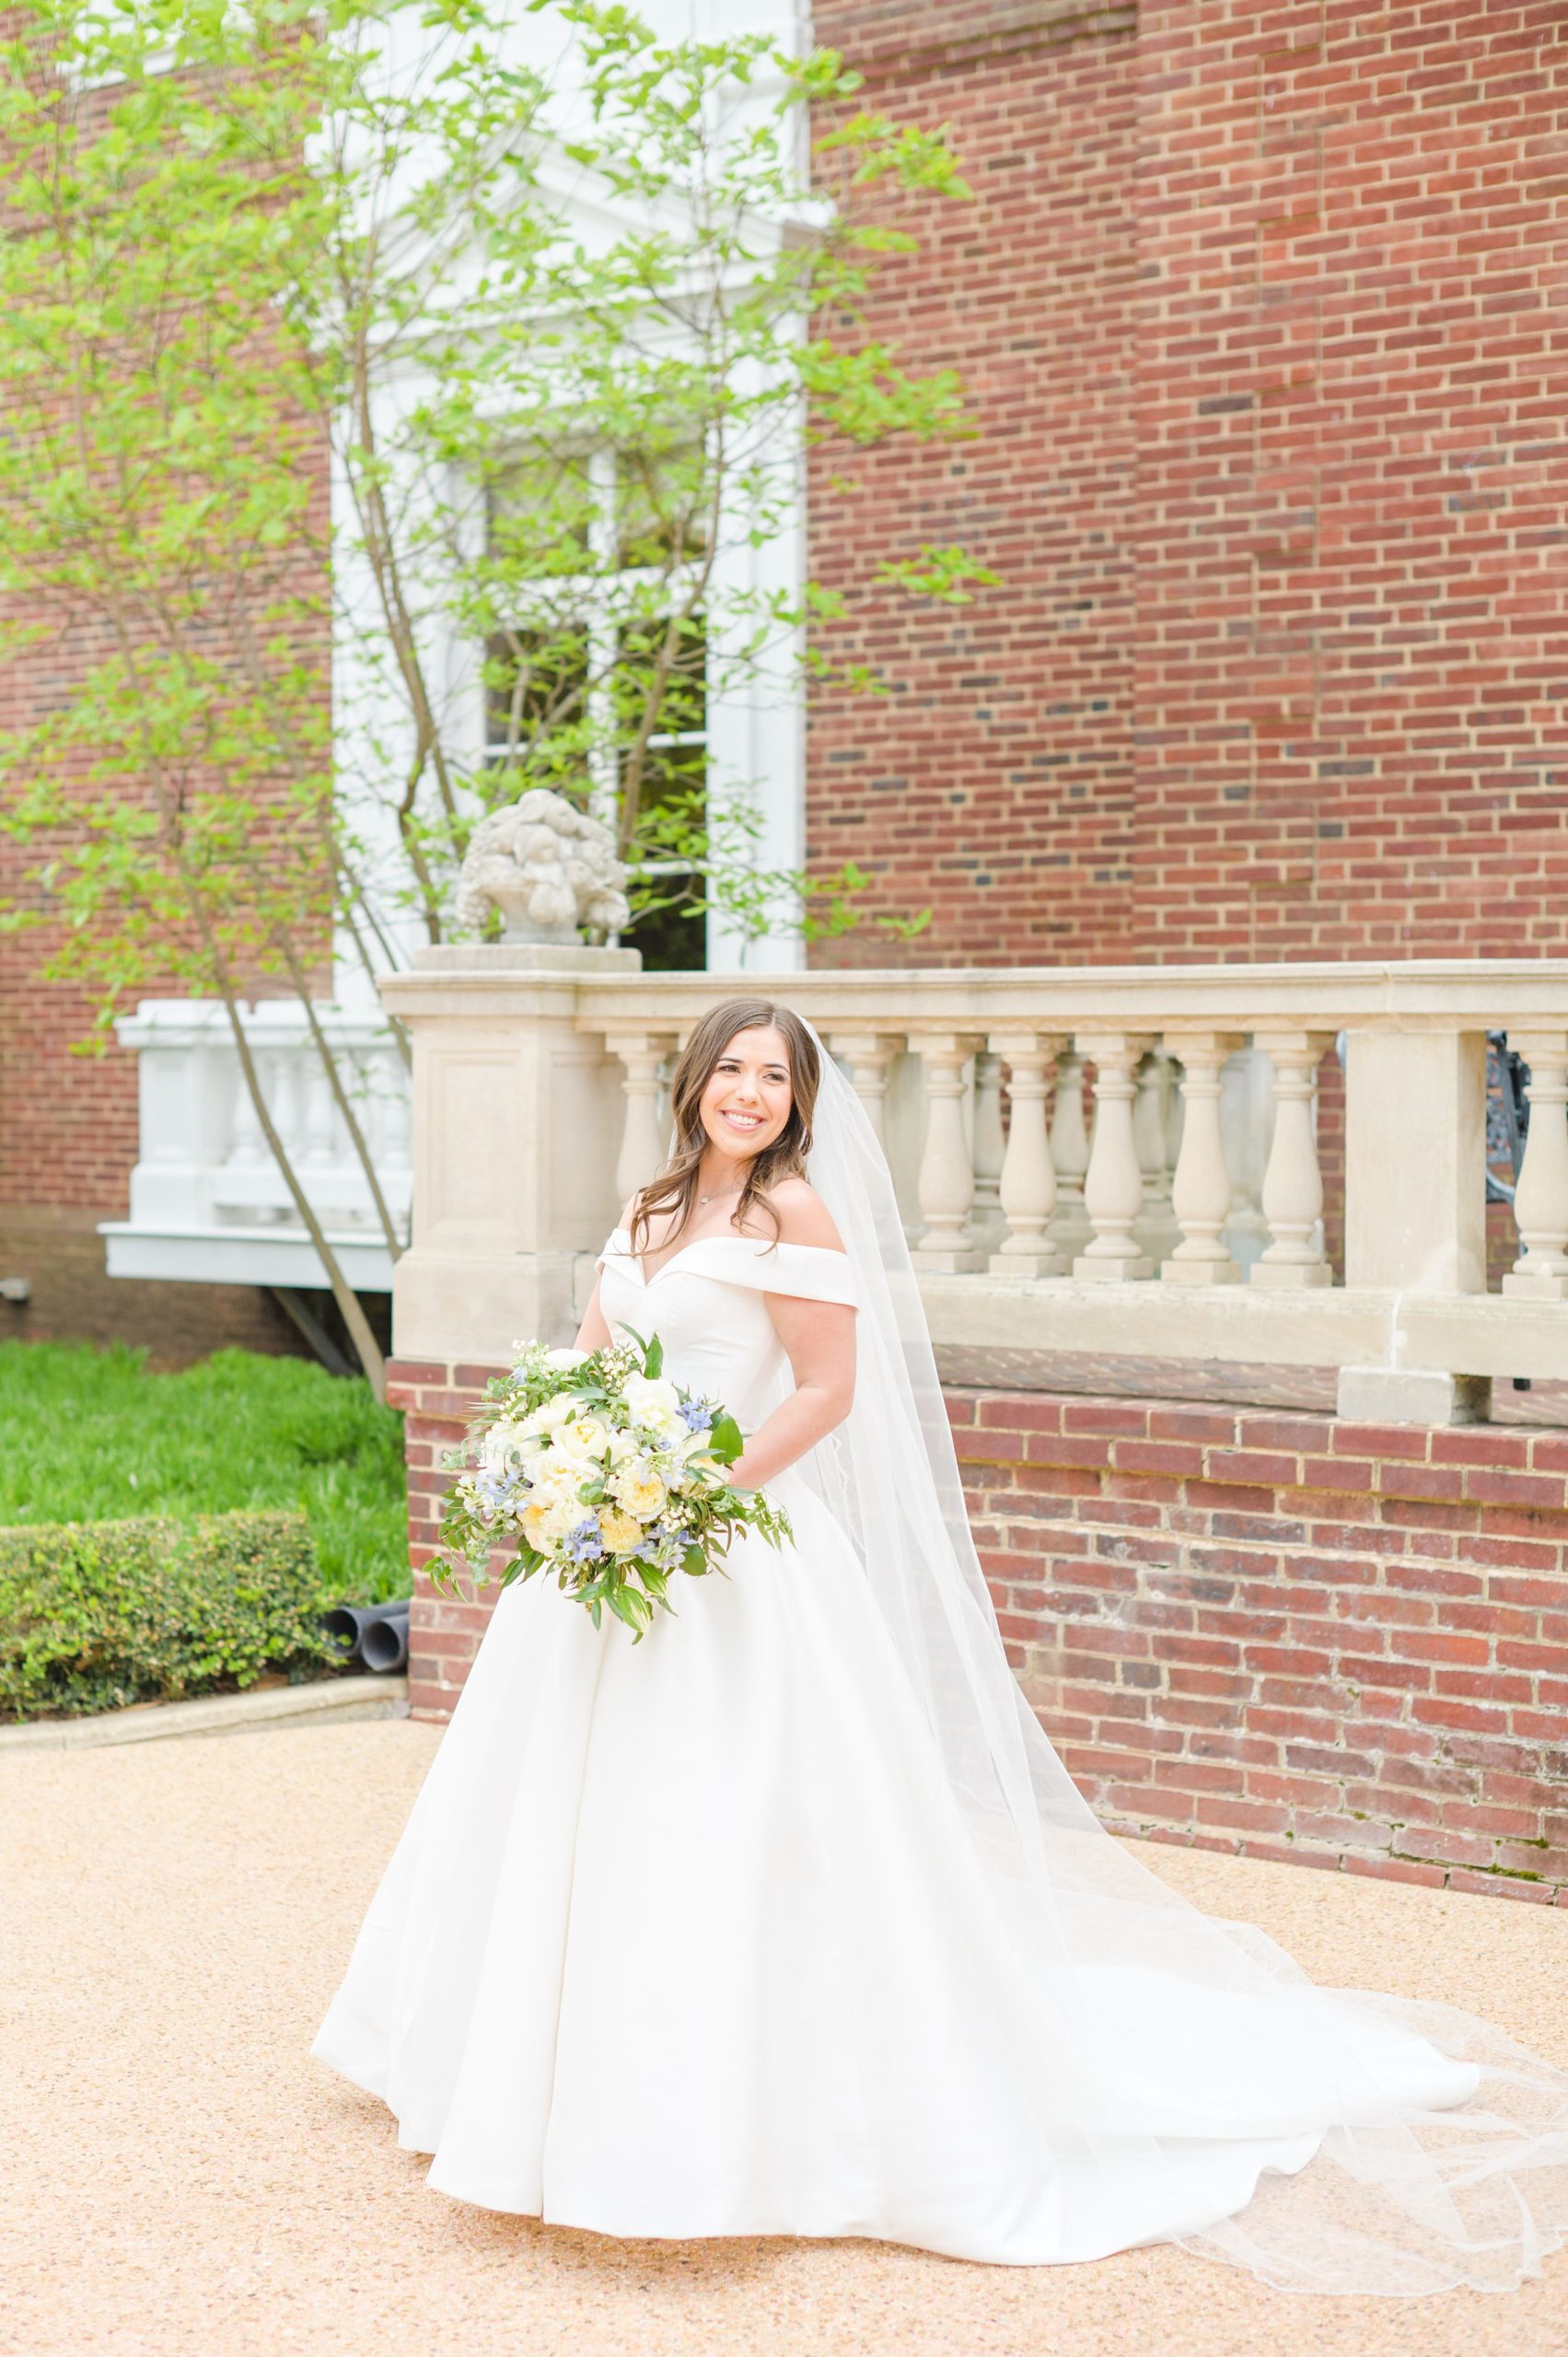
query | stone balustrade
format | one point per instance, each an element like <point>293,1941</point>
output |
<point>1114,1209</point>
<point>208,1201</point>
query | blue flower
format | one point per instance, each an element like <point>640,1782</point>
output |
<point>584,1544</point>
<point>696,1416</point>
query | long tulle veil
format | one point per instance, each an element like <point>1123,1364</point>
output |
<point>1395,2146</point>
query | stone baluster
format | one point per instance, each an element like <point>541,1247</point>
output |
<point>1113,1185</point>
<point>1540,1198</point>
<point>1152,1082</point>
<point>1200,1189</point>
<point>642,1142</point>
<point>1293,1185</point>
<point>1027,1187</point>
<point>320,1115</point>
<point>947,1168</point>
<point>1154,1085</point>
<point>1069,1151</point>
<point>989,1148</point>
<point>868,1055</point>
<point>250,1150</point>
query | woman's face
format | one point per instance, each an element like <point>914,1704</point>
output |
<point>745,1103</point>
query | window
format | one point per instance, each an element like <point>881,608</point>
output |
<point>591,550</point>
<point>673,791</point>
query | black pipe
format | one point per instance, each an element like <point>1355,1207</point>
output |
<point>347,1623</point>
<point>383,1643</point>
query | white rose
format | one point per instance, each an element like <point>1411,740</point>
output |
<point>503,1448</point>
<point>552,1414</point>
<point>655,1404</point>
<point>624,1448</point>
<point>564,1358</point>
<point>583,1440</point>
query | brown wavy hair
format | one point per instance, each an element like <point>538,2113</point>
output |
<point>676,1185</point>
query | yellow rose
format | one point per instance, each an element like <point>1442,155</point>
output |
<point>621,1533</point>
<point>640,1491</point>
<point>547,1522</point>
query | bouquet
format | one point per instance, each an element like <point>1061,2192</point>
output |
<point>604,1472</point>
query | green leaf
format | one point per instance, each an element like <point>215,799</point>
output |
<point>727,1440</point>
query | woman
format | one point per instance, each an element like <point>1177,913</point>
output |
<point>789,1920</point>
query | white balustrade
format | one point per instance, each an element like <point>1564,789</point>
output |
<point>945,1186</point>
<point>1154,1083</point>
<point>537,1111</point>
<point>1200,1190</point>
<point>1113,1184</point>
<point>1293,1185</point>
<point>1540,1198</point>
<point>866,1056</point>
<point>1027,1187</point>
<point>988,1144</point>
<point>208,1201</point>
<point>1069,1151</point>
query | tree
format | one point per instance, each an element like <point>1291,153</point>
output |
<point>477,348</point>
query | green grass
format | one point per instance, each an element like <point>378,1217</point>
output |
<point>88,1434</point>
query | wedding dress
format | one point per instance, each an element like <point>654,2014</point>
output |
<point>788,1920</point>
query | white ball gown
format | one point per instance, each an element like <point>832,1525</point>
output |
<point>705,1937</point>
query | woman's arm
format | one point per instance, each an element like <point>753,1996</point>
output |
<point>819,1339</point>
<point>594,1334</point>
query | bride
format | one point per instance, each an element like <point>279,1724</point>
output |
<point>789,1921</point>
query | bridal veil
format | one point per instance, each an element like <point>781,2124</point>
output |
<point>1402,2146</point>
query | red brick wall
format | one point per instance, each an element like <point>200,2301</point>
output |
<point>993,783</point>
<point>1291,1636</point>
<point>1352,458</point>
<point>1258,307</point>
<point>1340,1644</point>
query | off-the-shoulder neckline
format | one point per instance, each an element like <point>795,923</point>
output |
<point>758,1246</point>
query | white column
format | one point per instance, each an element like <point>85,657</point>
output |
<point>947,1171</point>
<point>1070,1150</point>
<point>1154,1083</point>
<point>989,1148</point>
<point>868,1055</point>
<point>1540,1200</point>
<point>321,1113</point>
<point>1027,1188</point>
<point>1293,1184</point>
<point>1201,1189</point>
<point>642,1141</point>
<point>1113,1185</point>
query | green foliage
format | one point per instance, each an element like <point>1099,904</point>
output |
<point>94,1616</point>
<point>92,1435</point>
<point>244,238</point>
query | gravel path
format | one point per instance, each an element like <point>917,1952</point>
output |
<point>179,2177</point>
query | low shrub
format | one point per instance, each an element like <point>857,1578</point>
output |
<point>238,1430</point>
<point>94,1615</point>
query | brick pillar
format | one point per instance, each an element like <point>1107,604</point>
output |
<point>444,1630</point>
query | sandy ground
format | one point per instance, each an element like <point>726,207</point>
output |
<point>179,2177</point>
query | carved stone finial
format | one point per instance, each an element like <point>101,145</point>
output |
<point>548,868</point>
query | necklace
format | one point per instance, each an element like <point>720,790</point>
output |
<point>716,1193</point>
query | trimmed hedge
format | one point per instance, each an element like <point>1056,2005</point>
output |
<point>94,1615</point>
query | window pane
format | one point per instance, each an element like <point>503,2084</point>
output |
<point>538,511</point>
<point>661,503</point>
<point>535,688</point>
<point>672,940</point>
<point>683,705</point>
